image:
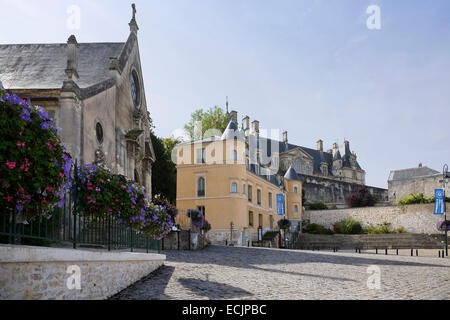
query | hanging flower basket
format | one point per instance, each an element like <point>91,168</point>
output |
<point>34,165</point>
<point>284,224</point>
<point>197,217</point>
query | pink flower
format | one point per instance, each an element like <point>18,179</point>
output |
<point>101,180</point>
<point>98,189</point>
<point>20,144</point>
<point>61,175</point>
<point>10,165</point>
<point>8,198</point>
<point>122,186</point>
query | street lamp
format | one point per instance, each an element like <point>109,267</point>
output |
<point>445,177</point>
<point>231,233</point>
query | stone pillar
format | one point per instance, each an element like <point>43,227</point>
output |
<point>70,119</point>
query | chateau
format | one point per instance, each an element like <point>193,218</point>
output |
<point>238,179</point>
<point>95,93</point>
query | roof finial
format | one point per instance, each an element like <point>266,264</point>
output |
<point>133,24</point>
<point>227,105</point>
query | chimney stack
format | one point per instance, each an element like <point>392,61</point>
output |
<point>420,165</point>
<point>335,148</point>
<point>285,137</point>
<point>246,125</point>
<point>234,117</point>
<point>255,127</point>
<point>320,145</point>
<point>72,58</point>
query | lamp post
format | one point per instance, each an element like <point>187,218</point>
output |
<point>445,177</point>
<point>231,233</point>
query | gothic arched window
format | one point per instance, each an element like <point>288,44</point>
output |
<point>135,89</point>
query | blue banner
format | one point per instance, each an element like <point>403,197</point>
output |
<point>280,204</point>
<point>439,201</point>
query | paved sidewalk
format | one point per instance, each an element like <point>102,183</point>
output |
<point>257,273</point>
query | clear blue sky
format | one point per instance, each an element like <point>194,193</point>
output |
<point>310,67</point>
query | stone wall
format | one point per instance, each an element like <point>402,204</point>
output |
<point>318,189</point>
<point>198,241</point>
<point>401,189</point>
<point>222,237</point>
<point>35,273</point>
<point>414,218</point>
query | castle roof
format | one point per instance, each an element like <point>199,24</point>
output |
<point>231,132</point>
<point>337,156</point>
<point>291,174</point>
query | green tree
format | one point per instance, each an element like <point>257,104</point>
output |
<point>212,119</point>
<point>164,171</point>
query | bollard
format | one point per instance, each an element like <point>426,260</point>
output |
<point>412,252</point>
<point>386,251</point>
<point>397,251</point>
<point>417,252</point>
<point>376,251</point>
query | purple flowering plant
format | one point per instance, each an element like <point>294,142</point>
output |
<point>197,217</point>
<point>101,193</point>
<point>34,165</point>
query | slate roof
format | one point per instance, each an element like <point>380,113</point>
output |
<point>412,173</point>
<point>291,174</point>
<point>232,132</point>
<point>42,66</point>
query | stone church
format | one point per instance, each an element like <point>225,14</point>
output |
<point>95,93</point>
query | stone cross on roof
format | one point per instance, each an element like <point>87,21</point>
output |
<point>133,24</point>
<point>134,11</point>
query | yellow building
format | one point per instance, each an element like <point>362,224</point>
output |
<point>218,175</point>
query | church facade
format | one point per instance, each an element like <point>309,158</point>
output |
<point>95,93</point>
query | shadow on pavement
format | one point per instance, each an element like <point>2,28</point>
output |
<point>213,290</point>
<point>241,257</point>
<point>140,291</point>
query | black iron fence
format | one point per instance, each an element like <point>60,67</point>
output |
<point>68,225</point>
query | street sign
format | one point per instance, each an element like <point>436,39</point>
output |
<point>280,204</point>
<point>439,201</point>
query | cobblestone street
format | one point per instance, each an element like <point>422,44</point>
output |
<point>254,273</point>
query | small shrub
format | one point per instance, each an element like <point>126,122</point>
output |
<point>384,228</point>
<point>401,230</point>
<point>316,229</point>
<point>317,206</point>
<point>348,226</point>
<point>420,198</point>
<point>414,198</point>
<point>361,197</point>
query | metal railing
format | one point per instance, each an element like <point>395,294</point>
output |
<point>69,225</point>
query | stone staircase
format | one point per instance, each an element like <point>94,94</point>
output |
<point>369,242</point>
